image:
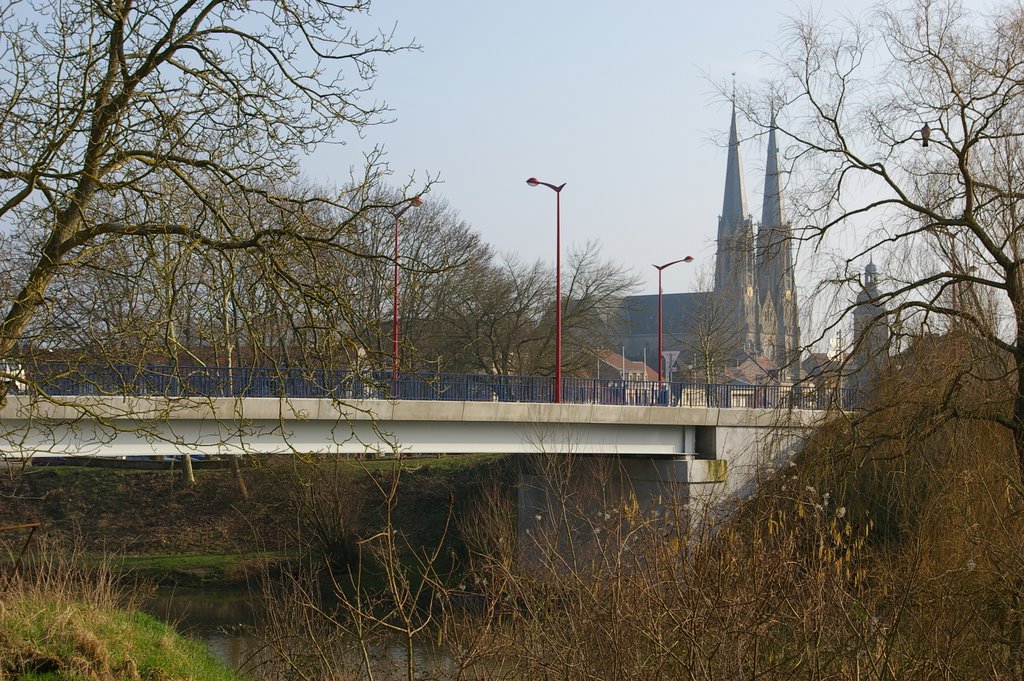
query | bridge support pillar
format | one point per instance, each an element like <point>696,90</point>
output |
<point>571,507</point>
<point>689,439</point>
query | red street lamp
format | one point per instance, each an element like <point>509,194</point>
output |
<point>660,268</point>
<point>533,182</point>
<point>415,201</point>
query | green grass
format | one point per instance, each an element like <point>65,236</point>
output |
<point>72,641</point>
<point>66,618</point>
<point>224,569</point>
<point>220,562</point>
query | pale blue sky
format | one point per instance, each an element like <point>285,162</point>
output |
<point>612,98</point>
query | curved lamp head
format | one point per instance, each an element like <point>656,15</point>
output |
<point>414,201</point>
<point>688,258</point>
<point>557,188</point>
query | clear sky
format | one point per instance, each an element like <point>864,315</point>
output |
<point>616,99</point>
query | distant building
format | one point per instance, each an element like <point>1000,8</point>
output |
<point>754,291</point>
<point>639,318</point>
<point>822,370</point>
<point>751,370</point>
<point>613,366</point>
<point>870,348</point>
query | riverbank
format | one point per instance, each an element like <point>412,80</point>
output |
<point>144,527</point>
<point>212,535</point>
<point>65,619</point>
<point>75,641</point>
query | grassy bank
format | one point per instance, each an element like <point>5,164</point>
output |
<point>66,619</point>
<point>198,570</point>
<point>44,639</point>
<point>72,623</point>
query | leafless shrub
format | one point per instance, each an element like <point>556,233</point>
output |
<point>300,635</point>
<point>55,571</point>
<point>889,548</point>
<point>371,617</point>
<point>328,502</point>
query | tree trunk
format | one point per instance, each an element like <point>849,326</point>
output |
<point>188,478</point>
<point>237,471</point>
<point>1018,401</point>
<point>1018,430</point>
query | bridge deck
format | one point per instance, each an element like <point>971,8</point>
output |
<point>81,411</point>
<point>60,379</point>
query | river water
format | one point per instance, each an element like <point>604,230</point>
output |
<point>222,620</point>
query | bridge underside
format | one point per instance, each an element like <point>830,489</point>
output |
<point>661,452</point>
<point>113,435</point>
<point>693,444</point>
<point>117,426</point>
<point>124,437</point>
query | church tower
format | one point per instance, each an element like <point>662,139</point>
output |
<point>870,334</point>
<point>734,265</point>
<point>778,327</point>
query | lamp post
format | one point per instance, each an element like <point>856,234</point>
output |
<point>533,182</point>
<point>415,201</point>
<point>661,268</point>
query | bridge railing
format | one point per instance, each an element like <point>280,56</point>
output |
<point>58,379</point>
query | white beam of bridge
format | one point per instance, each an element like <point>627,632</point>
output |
<point>120,426</point>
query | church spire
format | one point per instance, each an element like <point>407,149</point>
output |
<point>771,208</point>
<point>776,282</point>
<point>734,263</point>
<point>734,207</point>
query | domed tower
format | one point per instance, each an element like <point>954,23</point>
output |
<point>870,333</point>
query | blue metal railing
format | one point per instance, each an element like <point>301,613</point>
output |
<point>204,381</point>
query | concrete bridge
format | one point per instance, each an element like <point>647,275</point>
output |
<point>664,434</point>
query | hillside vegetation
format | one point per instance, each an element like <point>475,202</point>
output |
<point>892,547</point>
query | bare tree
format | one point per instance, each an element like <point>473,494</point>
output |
<point>909,126</point>
<point>489,322</point>
<point>127,121</point>
<point>594,294</point>
<point>499,317</point>
<point>437,252</point>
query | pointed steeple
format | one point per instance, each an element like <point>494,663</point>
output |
<point>772,209</point>
<point>734,262</point>
<point>776,281</point>
<point>773,236</point>
<point>734,207</point>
